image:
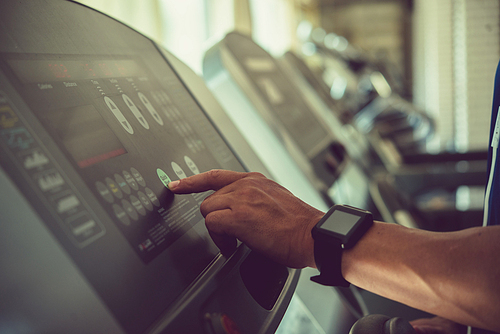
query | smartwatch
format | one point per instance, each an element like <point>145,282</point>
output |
<point>340,228</point>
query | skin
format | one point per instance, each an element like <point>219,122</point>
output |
<point>454,275</point>
<point>437,325</point>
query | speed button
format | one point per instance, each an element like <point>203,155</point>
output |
<point>121,214</point>
<point>119,115</point>
<point>137,205</point>
<point>114,188</point>
<point>138,177</point>
<point>152,196</point>
<point>122,183</point>
<point>129,209</point>
<point>130,180</point>
<point>145,201</point>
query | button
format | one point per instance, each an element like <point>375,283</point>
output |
<point>121,214</point>
<point>178,170</point>
<point>145,201</point>
<point>129,209</point>
<point>137,205</point>
<point>113,187</point>
<point>18,138</point>
<point>118,114</point>
<point>104,191</point>
<point>130,180</point>
<point>191,165</point>
<point>67,203</point>
<point>137,113</point>
<point>50,181</point>
<point>163,177</point>
<point>36,159</point>
<point>152,197</point>
<point>150,108</point>
<point>122,184</point>
<point>138,177</point>
<point>83,227</point>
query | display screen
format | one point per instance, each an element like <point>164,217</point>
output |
<point>40,71</point>
<point>340,222</point>
<point>85,134</point>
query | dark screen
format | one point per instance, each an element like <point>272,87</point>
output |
<point>85,134</point>
<point>340,222</point>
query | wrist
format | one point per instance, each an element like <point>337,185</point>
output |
<point>311,241</point>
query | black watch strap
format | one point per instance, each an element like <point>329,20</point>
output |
<point>328,257</point>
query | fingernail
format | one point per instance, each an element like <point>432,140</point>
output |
<point>173,184</point>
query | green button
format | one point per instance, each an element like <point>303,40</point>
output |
<point>163,177</point>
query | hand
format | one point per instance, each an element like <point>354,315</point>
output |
<point>437,325</point>
<point>265,216</point>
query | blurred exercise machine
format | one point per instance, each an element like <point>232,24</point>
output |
<point>446,189</point>
<point>296,112</point>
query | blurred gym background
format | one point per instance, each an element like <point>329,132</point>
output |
<point>444,53</point>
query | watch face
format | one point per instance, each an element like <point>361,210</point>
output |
<point>344,224</point>
<point>340,222</point>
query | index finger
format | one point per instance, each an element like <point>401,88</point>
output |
<point>211,180</point>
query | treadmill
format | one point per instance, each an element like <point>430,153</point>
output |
<point>94,123</point>
<point>446,189</point>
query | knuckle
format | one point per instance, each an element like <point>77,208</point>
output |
<point>187,183</point>
<point>214,173</point>
<point>213,222</point>
<point>214,176</point>
<point>203,207</point>
<point>210,220</point>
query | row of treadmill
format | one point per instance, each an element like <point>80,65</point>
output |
<point>96,119</point>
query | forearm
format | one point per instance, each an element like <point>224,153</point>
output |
<point>455,275</point>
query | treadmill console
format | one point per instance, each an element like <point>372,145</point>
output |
<point>94,123</point>
<point>255,69</point>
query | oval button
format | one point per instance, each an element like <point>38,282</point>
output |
<point>164,178</point>
<point>145,201</point>
<point>152,197</point>
<point>192,166</point>
<point>129,209</point>
<point>113,187</point>
<point>137,113</point>
<point>122,183</point>
<point>150,108</point>
<point>104,191</point>
<point>118,114</point>
<point>130,180</point>
<point>137,204</point>
<point>178,170</point>
<point>138,177</point>
<point>121,215</point>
